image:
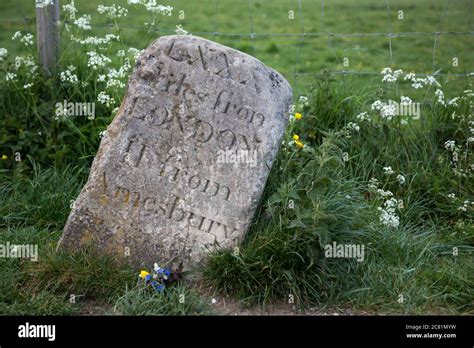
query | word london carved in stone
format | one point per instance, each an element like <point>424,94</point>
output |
<point>157,191</point>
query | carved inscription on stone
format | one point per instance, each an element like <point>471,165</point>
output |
<point>157,190</point>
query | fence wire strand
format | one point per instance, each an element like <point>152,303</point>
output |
<point>301,36</point>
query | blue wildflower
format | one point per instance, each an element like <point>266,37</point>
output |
<point>158,287</point>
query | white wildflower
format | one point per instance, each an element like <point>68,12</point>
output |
<point>405,100</point>
<point>134,52</point>
<point>450,145</point>
<point>373,184</point>
<point>27,39</point>
<point>390,76</point>
<point>363,116</point>
<point>10,76</point>
<point>17,35</point>
<point>69,75</point>
<point>454,101</point>
<point>388,170</point>
<point>389,218</point>
<point>384,194</point>
<point>353,126</point>
<point>3,53</point>
<point>153,7</point>
<point>401,179</point>
<point>113,11</point>
<point>409,77</point>
<point>70,10</point>
<point>303,99</point>
<point>92,40</point>
<point>97,60</point>
<point>469,93</point>
<point>83,22</point>
<point>104,98</point>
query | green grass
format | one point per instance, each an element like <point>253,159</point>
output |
<point>34,210</point>
<point>283,255</point>
<point>282,52</point>
<point>180,300</point>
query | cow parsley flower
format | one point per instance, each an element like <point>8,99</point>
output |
<point>390,76</point>
<point>401,179</point>
<point>405,100</point>
<point>97,60</point>
<point>152,6</point>
<point>373,184</point>
<point>388,170</point>
<point>303,100</point>
<point>104,98</point>
<point>409,77</point>
<point>454,101</point>
<point>69,76</point>
<point>27,39</point>
<point>388,216</point>
<point>384,194</point>
<point>134,52</point>
<point>363,116</point>
<point>3,54</point>
<point>83,22</point>
<point>387,111</point>
<point>113,11</point>
<point>70,10</point>
<point>450,145</point>
<point>11,76</point>
<point>92,40</point>
<point>27,61</point>
<point>354,126</point>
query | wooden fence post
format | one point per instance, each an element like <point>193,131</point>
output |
<point>47,17</point>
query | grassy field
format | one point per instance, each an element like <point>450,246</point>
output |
<point>287,52</point>
<point>416,223</point>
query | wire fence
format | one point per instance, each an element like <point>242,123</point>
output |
<point>28,22</point>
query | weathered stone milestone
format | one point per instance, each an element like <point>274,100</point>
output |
<point>183,164</point>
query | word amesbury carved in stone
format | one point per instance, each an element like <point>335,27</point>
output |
<point>156,190</point>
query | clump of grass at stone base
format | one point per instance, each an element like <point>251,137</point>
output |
<point>365,179</point>
<point>34,207</point>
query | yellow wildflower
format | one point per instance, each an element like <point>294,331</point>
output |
<point>143,274</point>
<point>299,144</point>
<point>298,116</point>
<point>4,157</point>
<point>296,137</point>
